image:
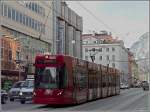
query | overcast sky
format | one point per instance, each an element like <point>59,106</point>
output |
<point>127,20</point>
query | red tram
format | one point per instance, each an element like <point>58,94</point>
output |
<point>63,79</point>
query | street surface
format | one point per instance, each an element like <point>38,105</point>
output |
<point>130,100</point>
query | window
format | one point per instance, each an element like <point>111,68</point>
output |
<point>36,7</point>
<point>30,23</point>
<point>17,85</point>
<point>27,21</point>
<point>82,79</point>
<point>51,77</point>
<point>95,42</point>
<point>1,9</point>
<point>17,55</point>
<point>86,57</point>
<point>43,28</point>
<point>36,25</point>
<point>113,65</point>
<point>24,19</point>
<point>100,49</point>
<point>107,57</point>
<point>20,18</point>
<point>33,7</point>
<point>113,57</point>
<point>107,49</point>
<point>33,23</point>
<point>9,12</point>
<point>43,12</point>
<point>13,14</point>
<point>85,42</point>
<point>40,10</point>
<point>27,4</point>
<point>28,84</point>
<point>100,57</point>
<point>39,27</point>
<point>17,16</point>
<point>86,49</point>
<point>2,52</point>
<point>93,49</point>
<point>30,5</point>
<point>5,10</point>
<point>113,49</point>
<point>10,55</point>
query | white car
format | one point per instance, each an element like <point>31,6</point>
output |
<point>124,86</point>
<point>14,91</point>
<point>26,92</point>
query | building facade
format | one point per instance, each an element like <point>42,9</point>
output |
<point>103,49</point>
<point>38,27</point>
<point>29,24</point>
<point>67,32</point>
<point>130,59</point>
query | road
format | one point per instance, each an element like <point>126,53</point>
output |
<point>131,100</point>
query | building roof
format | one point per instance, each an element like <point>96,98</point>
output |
<point>101,37</point>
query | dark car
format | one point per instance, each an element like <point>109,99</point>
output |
<point>145,85</point>
<point>4,96</point>
<point>14,91</point>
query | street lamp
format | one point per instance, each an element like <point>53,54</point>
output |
<point>93,53</point>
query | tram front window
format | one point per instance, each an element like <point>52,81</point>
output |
<point>50,78</point>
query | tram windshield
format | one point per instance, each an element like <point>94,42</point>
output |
<point>50,77</point>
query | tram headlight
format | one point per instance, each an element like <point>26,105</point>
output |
<point>20,94</point>
<point>60,93</point>
<point>34,94</point>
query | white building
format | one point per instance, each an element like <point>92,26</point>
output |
<point>112,54</point>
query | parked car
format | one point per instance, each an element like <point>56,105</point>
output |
<point>137,85</point>
<point>124,86</point>
<point>145,85</point>
<point>4,96</point>
<point>14,91</point>
<point>26,92</point>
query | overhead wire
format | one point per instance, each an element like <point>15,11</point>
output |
<point>98,19</point>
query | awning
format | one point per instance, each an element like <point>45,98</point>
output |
<point>12,72</point>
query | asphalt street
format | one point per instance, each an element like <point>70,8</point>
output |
<point>130,100</point>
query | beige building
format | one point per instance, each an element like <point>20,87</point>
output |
<point>39,27</point>
<point>30,23</point>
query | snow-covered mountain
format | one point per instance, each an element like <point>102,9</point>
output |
<point>141,50</point>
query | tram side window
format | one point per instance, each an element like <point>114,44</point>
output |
<point>111,80</point>
<point>118,81</point>
<point>99,81</point>
<point>82,80</point>
<point>114,79</point>
<point>62,77</point>
<point>103,81</point>
<point>90,81</point>
<point>96,81</point>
